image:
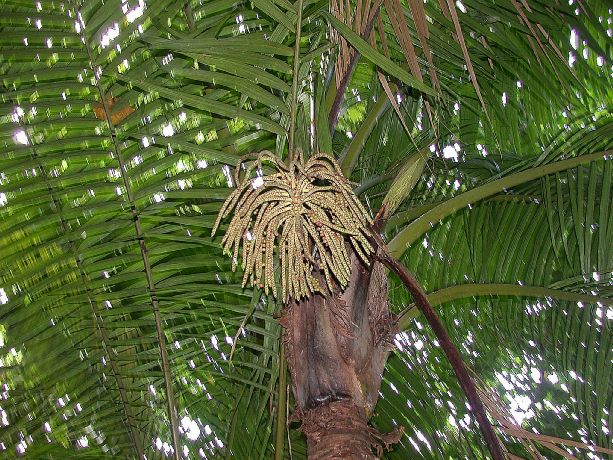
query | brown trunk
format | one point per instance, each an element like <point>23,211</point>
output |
<point>337,347</point>
<point>339,430</point>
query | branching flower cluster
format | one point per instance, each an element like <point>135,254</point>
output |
<point>306,213</point>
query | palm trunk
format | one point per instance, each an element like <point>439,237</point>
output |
<point>336,348</point>
<point>338,430</point>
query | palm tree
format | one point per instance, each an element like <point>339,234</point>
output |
<point>467,143</point>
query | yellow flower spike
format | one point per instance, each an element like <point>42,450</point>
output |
<point>304,214</point>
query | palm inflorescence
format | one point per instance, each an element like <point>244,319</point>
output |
<point>308,211</point>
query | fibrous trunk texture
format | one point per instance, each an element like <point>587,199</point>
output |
<point>337,347</point>
<point>339,429</point>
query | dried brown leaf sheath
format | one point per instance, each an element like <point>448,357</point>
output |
<point>117,116</point>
